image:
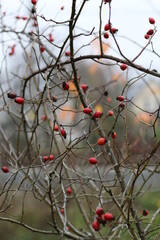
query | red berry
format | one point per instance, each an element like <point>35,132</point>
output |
<point>96,225</point>
<point>24,18</point>
<point>93,160</point>
<point>100,211</point>
<point>19,100</point>
<point>62,7</point>
<point>56,128</point>
<point>120,98</point>
<point>63,133</point>
<point>51,38</point>
<point>65,85</point>
<point>69,191</point>
<point>146,36</point>
<point>107,26</point>
<point>34,18</point>
<point>43,118</point>
<point>67,53</point>
<point>45,158</point>
<point>42,49</point>
<point>34,2</point>
<point>51,157</point>
<point>109,216</point>
<point>123,67</point>
<point>62,210</point>
<point>12,95</point>
<point>35,24</point>
<point>101,219</point>
<point>12,50</point>
<point>87,110</point>
<point>31,32</point>
<point>97,114</point>
<point>101,141</point>
<point>145,212</point>
<point>5,169</point>
<point>113,30</point>
<point>122,105</point>
<point>109,99</point>
<point>110,113</point>
<point>106,35</point>
<point>107,1</point>
<point>150,32</point>
<point>113,135</point>
<point>84,87</point>
<point>151,20</point>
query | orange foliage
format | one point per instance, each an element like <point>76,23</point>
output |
<point>144,117</point>
<point>72,88</point>
<point>98,107</point>
<point>118,76</point>
<point>96,46</point>
<point>93,68</point>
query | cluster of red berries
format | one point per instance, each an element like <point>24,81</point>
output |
<point>55,128</point>
<point>23,17</point>
<point>48,158</point>
<point>13,95</point>
<point>62,131</point>
<point>108,27</point>
<point>121,99</point>
<point>102,218</point>
<point>150,31</point>
<point>97,114</point>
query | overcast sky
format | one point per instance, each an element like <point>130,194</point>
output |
<point>130,17</point>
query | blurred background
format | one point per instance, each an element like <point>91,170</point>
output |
<point>131,20</point>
